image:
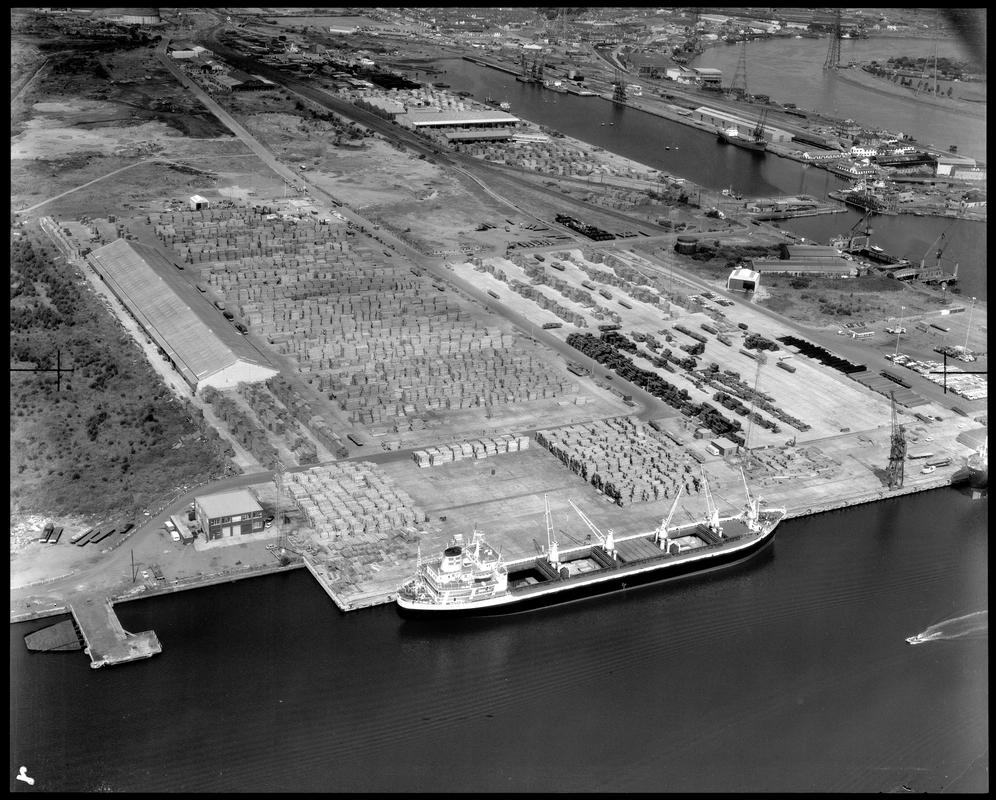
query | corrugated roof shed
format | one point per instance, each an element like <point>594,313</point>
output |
<point>228,504</point>
<point>427,118</point>
<point>204,354</point>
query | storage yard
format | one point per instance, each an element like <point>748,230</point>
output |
<point>412,403</point>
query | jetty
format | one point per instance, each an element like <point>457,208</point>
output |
<point>107,642</point>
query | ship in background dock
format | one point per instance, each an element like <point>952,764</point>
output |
<point>755,142</point>
<point>472,578</point>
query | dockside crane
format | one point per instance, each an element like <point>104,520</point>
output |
<point>662,537</point>
<point>852,237</point>
<point>713,521</point>
<point>897,450</point>
<point>606,540</point>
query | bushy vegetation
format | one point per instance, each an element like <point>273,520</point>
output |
<point>112,438</point>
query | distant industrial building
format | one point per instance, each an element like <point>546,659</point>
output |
<point>389,109</point>
<point>228,514</point>
<point>724,121</point>
<point>743,280</point>
<point>204,353</point>
<point>814,261</point>
<point>722,447</point>
<point>130,16</point>
<point>708,77</point>
<point>456,119</point>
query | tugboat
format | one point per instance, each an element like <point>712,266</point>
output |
<point>472,578</point>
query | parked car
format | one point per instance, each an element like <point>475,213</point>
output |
<point>174,535</point>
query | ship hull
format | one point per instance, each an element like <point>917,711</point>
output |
<point>583,587</point>
<point>745,144</point>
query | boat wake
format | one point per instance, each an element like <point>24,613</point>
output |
<point>968,626</point>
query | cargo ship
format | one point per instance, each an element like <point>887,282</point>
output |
<point>755,142</point>
<point>472,578</point>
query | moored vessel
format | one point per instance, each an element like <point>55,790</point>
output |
<point>756,141</point>
<point>472,578</point>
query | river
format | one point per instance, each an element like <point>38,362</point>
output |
<point>791,70</point>
<point>697,156</point>
<point>788,674</point>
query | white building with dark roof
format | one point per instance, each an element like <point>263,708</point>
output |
<point>228,514</point>
<point>198,341</point>
<point>455,119</point>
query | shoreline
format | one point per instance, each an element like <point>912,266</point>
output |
<point>859,77</point>
<point>367,599</point>
<point>660,109</point>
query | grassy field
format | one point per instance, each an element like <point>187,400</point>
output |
<point>111,438</point>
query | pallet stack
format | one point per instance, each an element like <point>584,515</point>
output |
<point>623,458</point>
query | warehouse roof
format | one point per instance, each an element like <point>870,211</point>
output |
<point>742,274</point>
<point>228,504</point>
<point>812,251</point>
<point>198,349</point>
<point>827,266</point>
<point>491,133</point>
<point>433,118</point>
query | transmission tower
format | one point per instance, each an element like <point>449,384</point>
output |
<point>619,89</point>
<point>738,86</point>
<point>833,51</point>
<point>897,452</point>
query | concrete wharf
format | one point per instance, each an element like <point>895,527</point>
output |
<point>107,642</point>
<point>491,64</point>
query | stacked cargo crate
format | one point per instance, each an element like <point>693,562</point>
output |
<point>445,454</point>
<point>623,458</point>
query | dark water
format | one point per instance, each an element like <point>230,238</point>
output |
<point>915,238</point>
<point>791,70</point>
<point>701,159</point>
<point>643,137</point>
<point>791,674</point>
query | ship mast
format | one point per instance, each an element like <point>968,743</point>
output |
<point>713,510</point>
<point>752,505</point>
<point>662,531</point>
<point>552,553</point>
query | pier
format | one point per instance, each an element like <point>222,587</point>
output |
<point>107,642</point>
<point>490,64</point>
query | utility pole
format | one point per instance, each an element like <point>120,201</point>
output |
<point>899,330</point>
<point>59,369</point>
<point>969,328</point>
